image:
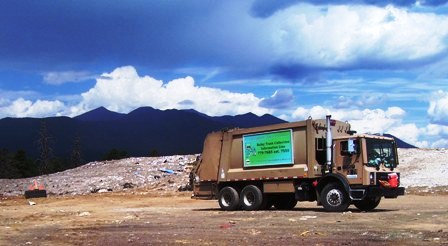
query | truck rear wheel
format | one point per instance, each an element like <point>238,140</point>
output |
<point>334,198</point>
<point>285,202</point>
<point>368,203</point>
<point>228,199</point>
<point>251,198</point>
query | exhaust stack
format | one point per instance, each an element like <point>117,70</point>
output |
<point>329,143</point>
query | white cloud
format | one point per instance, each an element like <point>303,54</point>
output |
<point>363,121</point>
<point>436,135</point>
<point>409,133</point>
<point>123,90</point>
<point>436,130</point>
<point>282,98</point>
<point>395,113</point>
<point>6,96</point>
<point>302,113</point>
<point>441,143</point>
<point>438,108</point>
<point>360,101</point>
<point>341,35</point>
<point>382,121</point>
<point>59,78</point>
<point>26,108</point>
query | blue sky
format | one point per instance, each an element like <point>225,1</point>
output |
<point>381,65</point>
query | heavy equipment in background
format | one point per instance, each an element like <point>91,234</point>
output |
<point>319,160</point>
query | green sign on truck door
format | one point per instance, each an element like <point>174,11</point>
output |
<point>268,148</point>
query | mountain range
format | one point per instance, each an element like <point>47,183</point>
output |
<point>139,132</point>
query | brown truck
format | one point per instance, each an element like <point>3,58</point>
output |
<point>313,160</point>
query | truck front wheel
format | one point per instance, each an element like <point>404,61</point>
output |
<point>251,198</point>
<point>228,199</point>
<point>334,198</point>
<point>368,203</point>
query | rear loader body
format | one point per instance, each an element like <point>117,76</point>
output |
<point>312,160</point>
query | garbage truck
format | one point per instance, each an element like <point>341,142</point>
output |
<point>320,160</point>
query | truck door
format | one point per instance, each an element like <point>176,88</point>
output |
<point>347,159</point>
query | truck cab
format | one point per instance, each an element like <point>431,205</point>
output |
<point>368,165</point>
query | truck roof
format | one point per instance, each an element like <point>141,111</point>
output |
<point>364,136</point>
<point>317,123</point>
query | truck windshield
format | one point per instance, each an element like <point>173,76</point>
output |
<point>381,151</point>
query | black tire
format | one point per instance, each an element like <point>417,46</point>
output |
<point>228,199</point>
<point>251,198</point>
<point>368,203</point>
<point>334,198</point>
<point>267,202</point>
<point>285,202</point>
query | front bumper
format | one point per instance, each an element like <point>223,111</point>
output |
<point>386,192</point>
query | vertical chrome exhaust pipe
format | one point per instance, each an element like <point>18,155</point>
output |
<point>329,143</point>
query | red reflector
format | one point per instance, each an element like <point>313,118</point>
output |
<point>315,183</point>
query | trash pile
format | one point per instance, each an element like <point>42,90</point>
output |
<point>163,174</point>
<point>423,167</point>
<point>418,167</point>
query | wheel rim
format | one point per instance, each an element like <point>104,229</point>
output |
<point>249,198</point>
<point>226,199</point>
<point>335,197</point>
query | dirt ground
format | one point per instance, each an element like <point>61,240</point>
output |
<point>148,219</point>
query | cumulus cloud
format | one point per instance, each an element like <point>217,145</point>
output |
<point>353,36</point>
<point>409,133</point>
<point>123,90</point>
<point>441,143</point>
<point>363,121</point>
<point>381,121</point>
<point>59,78</point>
<point>26,108</point>
<point>362,102</point>
<point>265,8</point>
<point>436,135</point>
<point>282,98</point>
<point>438,108</point>
<point>436,130</point>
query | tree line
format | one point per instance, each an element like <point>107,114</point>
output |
<point>18,164</point>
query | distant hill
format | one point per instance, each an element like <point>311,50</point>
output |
<point>400,143</point>
<point>100,114</point>
<point>140,132</point>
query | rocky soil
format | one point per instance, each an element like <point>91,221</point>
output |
<point>164,174</point>
<point>424,170</point>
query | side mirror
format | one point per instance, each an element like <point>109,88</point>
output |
<point>351,146</point>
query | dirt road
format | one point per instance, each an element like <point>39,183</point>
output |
<point>147,219</point>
